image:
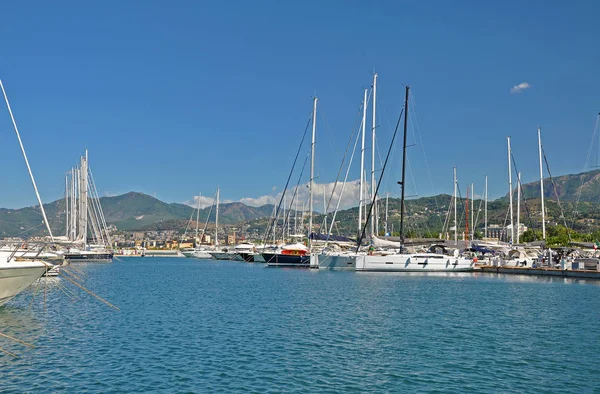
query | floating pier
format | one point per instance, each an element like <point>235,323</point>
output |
<point>587,274</point>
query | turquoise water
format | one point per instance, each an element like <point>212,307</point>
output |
<point>201,326</point>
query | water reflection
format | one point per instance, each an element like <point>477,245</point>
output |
<point>541,279</point>
<point>20,323</point>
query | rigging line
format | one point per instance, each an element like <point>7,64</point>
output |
<point>394,148</point>
<point>286,220</point>
<point>446,224</point>
<point>322,114</point>
<point>208,217</point>
<point>586,167</point>
<point>330,128</point>
<point>463,213</point>
<point>268,233</point>
<point>506,220</point>
<point>102,217</point>
<point>478,211</point>
<point>342,192</point>
<point>362,235</point>
<point>519,184</point>
<point>433,190</point>
<point>415,187</point>
<point>412,176</point>
<point>356,122</point>
<point>556,194</point>
<point>190,220</point>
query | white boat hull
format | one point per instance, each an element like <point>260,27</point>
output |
<point>187,253</point>
<point>422,262</point>
<point>16,276</point>
<point>337,262</point>
<point>201,254</point>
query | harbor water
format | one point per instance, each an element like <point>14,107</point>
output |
<point>188,325</point>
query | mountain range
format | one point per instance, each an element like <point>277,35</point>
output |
<point>130,211</point>
<point>137,211</point>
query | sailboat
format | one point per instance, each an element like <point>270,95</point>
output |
<point>332,258</point>
<point>86,217</point>
<point>18,274</point>
<point>411,262</point>
<point>297,255</point>
<point>224,253</point>
<point>199,252</point>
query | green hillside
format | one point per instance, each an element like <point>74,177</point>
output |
<point>425,216</point>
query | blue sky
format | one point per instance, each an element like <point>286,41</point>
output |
<point>176,98</point>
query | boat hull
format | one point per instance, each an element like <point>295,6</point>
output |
<point>102,257</point>
<point>248,257</point>
<point>223,256</point>
<point>201,254</point>
<point>413,263</point>
<point>16,276</point>
<point>187,253</point>
<point>286,260</point>
<point>341,262</point>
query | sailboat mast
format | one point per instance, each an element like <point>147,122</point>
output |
<point>217,220</point>
<point>467,216</point>
<point>518,205</point>
<point>296,216</point>
<point>284,218</point>
<point>67,206</point>
<point>472,211</point>
<point>486,202</point>
<point>542,184</point>
<point>510,195</point>
<point>37,194</point>
<point>84,174</point>
<point>324,208</point>
<point>312,168</point>
<point>362,163</point>
<point>79,201</point>
<point>387,198</point>
<point>198,215</point>
<point>455,210</point>
<point>73,206</point>
<point>374,224</point>
<point>403,168</point>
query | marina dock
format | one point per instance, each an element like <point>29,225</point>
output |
<point>587,274</point>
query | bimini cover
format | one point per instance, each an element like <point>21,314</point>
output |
<point>480,249</point>
<point>332,238</point>
<point>296,246</point>
<point>244,246</point>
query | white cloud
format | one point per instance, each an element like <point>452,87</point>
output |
<point>204,201</point>
<point>520,87</point>
<point>349,198</point>
<point>259,201</point>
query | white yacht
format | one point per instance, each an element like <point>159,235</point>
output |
<point>401,260</point>
<point>18,274</point>
<point>414,262</point>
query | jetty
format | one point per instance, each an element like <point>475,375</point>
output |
<point>541,271</point>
